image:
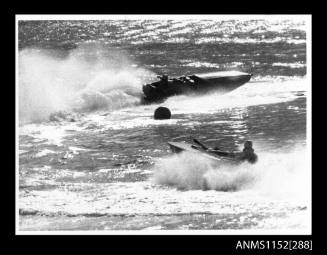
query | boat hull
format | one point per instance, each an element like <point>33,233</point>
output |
<point>178,147</point>
<point>199,84</point>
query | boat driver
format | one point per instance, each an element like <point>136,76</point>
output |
<point>164,78</point>
<point>163,83</point>
<point>246,155</point>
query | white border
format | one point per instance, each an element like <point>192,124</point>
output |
<point>306,18</point>
<point>164,232</point>
<point>16,131</point>
<point>276,17</point>
<point>309,106</point>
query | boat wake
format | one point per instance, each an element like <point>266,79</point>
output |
<point>188,171</point>
<point>250,94</point>
<point>283,174</point>
<point>89,78</point>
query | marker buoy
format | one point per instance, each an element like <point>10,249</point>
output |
<point>162,113</point>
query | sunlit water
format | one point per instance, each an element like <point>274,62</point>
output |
<point>91,157</point>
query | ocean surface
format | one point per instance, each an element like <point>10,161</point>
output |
<point>91,156</point>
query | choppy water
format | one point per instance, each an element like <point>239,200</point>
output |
<point>91,157</point>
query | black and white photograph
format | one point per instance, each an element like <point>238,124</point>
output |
<point>163,124</point>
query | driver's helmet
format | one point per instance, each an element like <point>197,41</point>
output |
<point>164,77</point>
<point>248,144</point>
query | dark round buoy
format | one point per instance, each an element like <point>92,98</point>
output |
<point>162,113</point>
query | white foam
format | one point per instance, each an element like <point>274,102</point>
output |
<point>48,133</point>
<point>292,65</point>
<point>44,152</point>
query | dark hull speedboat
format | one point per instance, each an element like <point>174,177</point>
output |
<point>223,81</point>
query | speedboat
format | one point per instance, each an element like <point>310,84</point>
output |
<point>216,154</point>
<point>223,81</point>
<point>178,147</point>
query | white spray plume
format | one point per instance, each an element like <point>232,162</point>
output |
<point>91,77</point>
<point>275,174</point>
